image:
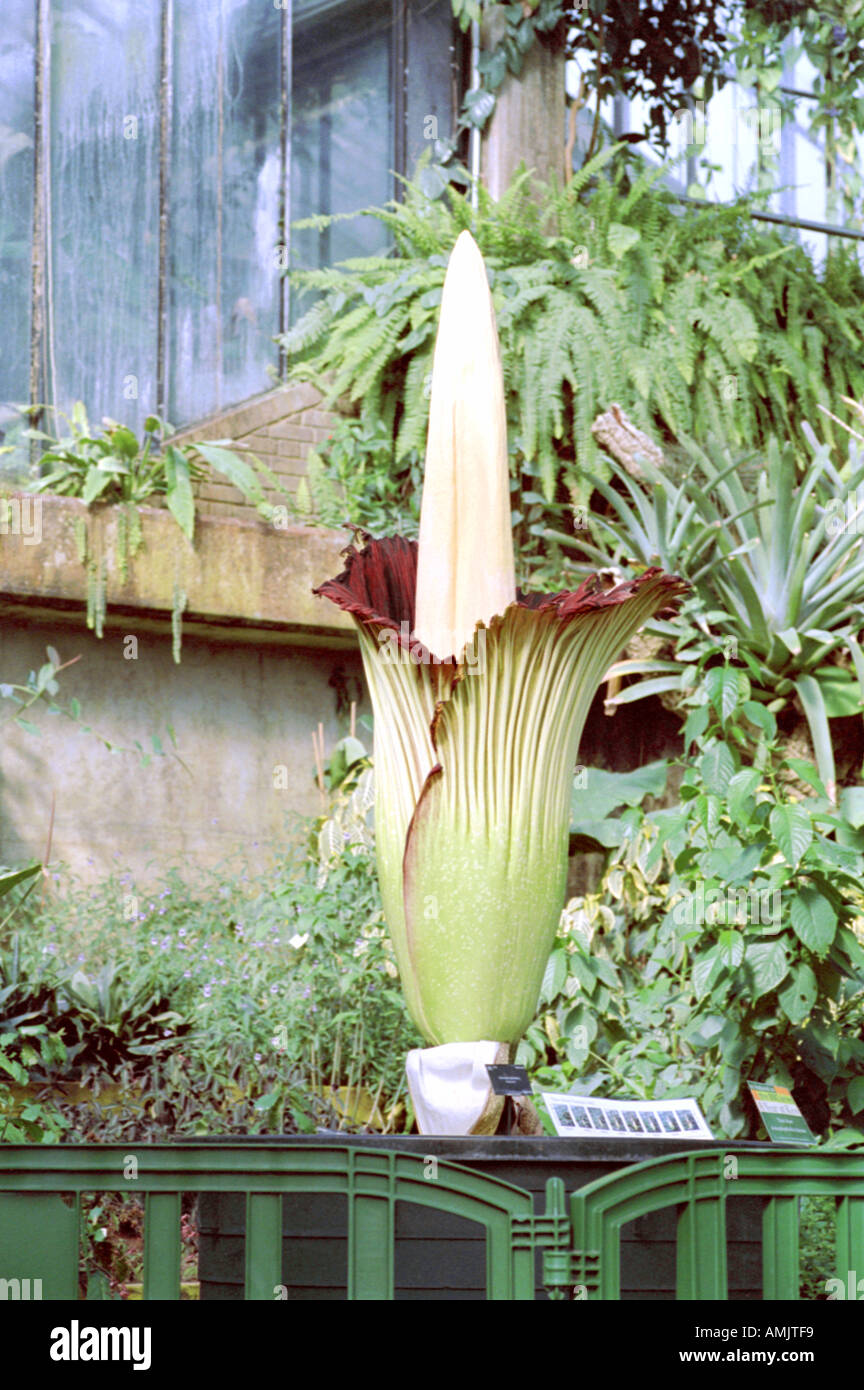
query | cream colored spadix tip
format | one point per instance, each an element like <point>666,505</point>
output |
<point>465,569</point>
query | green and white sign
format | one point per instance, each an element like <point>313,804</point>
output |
<point>780,1115</point>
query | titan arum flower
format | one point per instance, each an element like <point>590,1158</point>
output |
<point>479,695</point>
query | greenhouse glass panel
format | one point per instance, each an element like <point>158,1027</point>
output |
<point>16,201</point>
<point>225,184</point>
<point>342,147</point>
<point>102,206</point>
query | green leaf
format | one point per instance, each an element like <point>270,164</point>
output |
<point>731,948</point>
<point>840,691</point>
<point>761,717</point>
<point>807,773</point>
<point>813,919</point>
<point>237,470</point>
<point>799,996</point>
<point>95,483</point>
<point>725,686</point>
<point>9,878</point>
<point>620,238</point>
<point>178,495</point>
<point>597,793</point>
<point>741,788</point>
<point>479,105</point>
<point>767,964</point>
<point>554,976</point>
<point>706,969</point>
<point>793,831</point>
<point>852,805</point>
<point>717,768</point>
<point>124,441</point>
<point>855,1094</point>
<point>704,1032</point>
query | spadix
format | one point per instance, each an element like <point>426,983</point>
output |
<point>465,570</point>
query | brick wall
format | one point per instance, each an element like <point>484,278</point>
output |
<point>279,427</point>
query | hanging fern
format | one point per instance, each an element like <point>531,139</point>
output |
<point>696,320</point>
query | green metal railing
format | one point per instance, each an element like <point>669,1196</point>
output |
<point>701,1184</point>
<point>41,1188</point>
<point>39,1231</point>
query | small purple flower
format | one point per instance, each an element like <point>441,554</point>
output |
<point>187,974</point>
<point>274,989</point>
<point>154,941</point>
<point>307,991</point>
<point>257,1056</point>
<point>207,991</point>
<point>182,931</point>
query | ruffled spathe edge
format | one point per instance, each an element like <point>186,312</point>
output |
<point>379,583</point>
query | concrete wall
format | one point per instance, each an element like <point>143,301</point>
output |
<point>262,663</point>
<point>238,711</point>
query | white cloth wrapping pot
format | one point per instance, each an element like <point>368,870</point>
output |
<point>450,1087</point>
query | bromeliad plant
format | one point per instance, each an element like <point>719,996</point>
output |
<point>480,695</point>
<point>777,577</point>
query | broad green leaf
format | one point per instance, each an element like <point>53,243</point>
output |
<point>852,806</point>
<point>741,788</point>
<point>793,831</point>
<point>799,995</point>
<point>813,918</point>
<point>708,811</point>
<point>706,968</point>
<point>554,976</point>
<point>791,640</point>
<point>725,686</point>
<point>761,717</point>
<point>181,502</point>
<point>767,964</point>
<point>807,773</point>
<point>597,793</point>
<point>840,691</point>
<point>94,484</point>
<point>620,238</point>
<point>583,973</point>
<point>705,1032</point>
<point>731,946</point>
<point>717,768</point>
<point>124,441</point>
<point>855,1094</point>
<point>9,878</point>
<point>237,470</point>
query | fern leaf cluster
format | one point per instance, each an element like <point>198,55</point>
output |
<point>696,320</point>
